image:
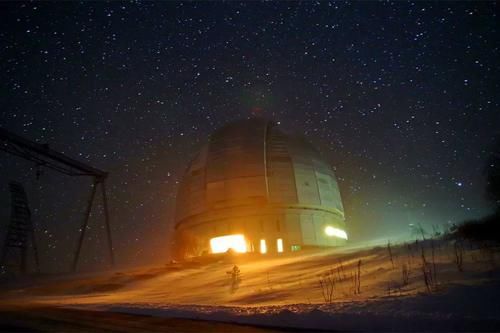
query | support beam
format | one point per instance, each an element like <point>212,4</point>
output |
<point>35,249</point>
<point>84,225</point>
<point>43,155</point>
<point>106,216</point>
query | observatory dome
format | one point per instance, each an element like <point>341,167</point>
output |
<point>254,188</point>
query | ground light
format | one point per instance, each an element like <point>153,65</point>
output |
<point>279,245</point>
<point>223,243</point>
<point>263,246</point>
<point>331,231</point>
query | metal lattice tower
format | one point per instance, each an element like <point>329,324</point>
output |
<point>43,156</point>
<point>19,232</point>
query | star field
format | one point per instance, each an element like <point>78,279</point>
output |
<point>402,98</point>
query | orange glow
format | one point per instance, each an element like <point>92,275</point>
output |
<point>279,244</point>
<point>263,246</point>
<point>224,243</point>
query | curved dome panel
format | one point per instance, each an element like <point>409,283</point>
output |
<point>250,172</point>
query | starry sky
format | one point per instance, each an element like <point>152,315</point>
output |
<point>400,97</point>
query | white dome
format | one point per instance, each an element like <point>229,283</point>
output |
<point>252,172</point>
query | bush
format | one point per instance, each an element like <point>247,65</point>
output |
<point>235,275</point>
<point>486,229</point>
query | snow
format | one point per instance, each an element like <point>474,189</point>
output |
<point>460,308</point>
<point>283,291</point>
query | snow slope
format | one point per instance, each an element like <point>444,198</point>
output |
<point>285,291</point>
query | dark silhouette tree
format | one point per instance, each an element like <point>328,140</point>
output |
<point>493,176</point>
<point>488,227</point>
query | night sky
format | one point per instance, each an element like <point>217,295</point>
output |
<point>401,98</point>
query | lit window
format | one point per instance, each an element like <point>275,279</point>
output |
<point>224,243</point>
<point>263,246</point>
<point>331,231</point>
<point>279,244</point>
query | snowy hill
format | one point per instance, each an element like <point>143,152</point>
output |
<point>431,285</point>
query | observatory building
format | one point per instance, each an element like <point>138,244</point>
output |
<point>253,188</point>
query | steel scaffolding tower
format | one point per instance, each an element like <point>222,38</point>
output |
<point>19,232</point>
<point>43,156</point>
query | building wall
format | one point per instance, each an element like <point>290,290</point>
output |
<point>300,227</point>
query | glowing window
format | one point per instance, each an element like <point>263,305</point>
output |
<point>331,231</point>
<point>279,244</point>
<point>224,243</point>
<point>263,246</point>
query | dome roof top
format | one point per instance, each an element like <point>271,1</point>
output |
<point>252,162</point>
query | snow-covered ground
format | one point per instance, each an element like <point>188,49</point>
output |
<point>285,290</point>
<point>460,309</point>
